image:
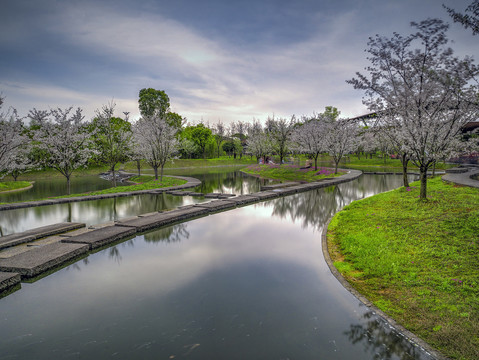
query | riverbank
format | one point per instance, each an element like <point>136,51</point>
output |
<point>287,172</point>
<point>12,186</point>
<point>416,261</point>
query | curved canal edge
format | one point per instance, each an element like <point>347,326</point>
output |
<point>191,182</point>
<point>414,339</point>
<point>21,189</point>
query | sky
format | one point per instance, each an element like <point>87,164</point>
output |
<point>217,60</point>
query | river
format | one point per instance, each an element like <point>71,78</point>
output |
<point>249,283</point>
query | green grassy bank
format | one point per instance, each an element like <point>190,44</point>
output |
<point>417,261</point>
<point>290,172</point>
<point>14,185</point>
<point>143,182</point>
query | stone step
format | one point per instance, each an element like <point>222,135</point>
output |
<point>8,280</point>
<point>101,237</point>
<point>165,218</point>
<point>38,233</point>
<point>243,199</point>
<point>41,259</point>
<point>216,205</point>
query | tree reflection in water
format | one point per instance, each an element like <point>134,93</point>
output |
<point>379,338</point>
<point>314,208</point>
<point>169,234</point>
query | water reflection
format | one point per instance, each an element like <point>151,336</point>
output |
<point>248,283</point>
<point>90,212</point>
<point>101,211</point>
<point>382,341</point>
<point>50,187</point>
<point>314,208</point>
<point>169,234</point>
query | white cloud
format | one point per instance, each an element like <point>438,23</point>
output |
<point>212,78</point>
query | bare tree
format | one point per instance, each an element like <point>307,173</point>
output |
<point>64,138</point>
<point>219,134</point>
<point>156,141</point>
<point>423,94</point>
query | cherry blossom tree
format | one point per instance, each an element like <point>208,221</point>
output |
<point>22,162</point>
<point>258,142</point>
<point>156,141</point>
<point>279,132</point>
<point>470,18</point>
<point>11,137</point>
<point>339,139</point>
<point>308,138</point>
<point>421,92</point>
<point>112,139</point>
<point>64,138</point>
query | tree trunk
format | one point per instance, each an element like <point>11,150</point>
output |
<point>68,185</point>
<point>433,169</point>
<point>161,176</point>
<point>113,175</point>
<point>156,172</point>
<point>69,219</point>
<point>336,163</point>
<point>404,161</point>
<point>316,163</point>
<point>138,166</point>
<point>423,178</point>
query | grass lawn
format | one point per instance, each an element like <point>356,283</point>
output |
<point>290,172</point>
<point>377,163</point>
<point>193,163</point>
<point>13,185</point>
<point>143,182</point>
<point>417,261</point>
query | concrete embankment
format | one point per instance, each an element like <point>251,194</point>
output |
<point>34,257</point>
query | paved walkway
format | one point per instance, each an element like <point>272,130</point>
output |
<point>463,178</point>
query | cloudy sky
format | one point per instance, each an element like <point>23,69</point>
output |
<point>216,59</point>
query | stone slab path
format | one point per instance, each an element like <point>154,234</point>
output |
<point>38,233</point>
<point>38,260</point>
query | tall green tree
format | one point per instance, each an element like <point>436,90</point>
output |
<point>153,102</point>
<point>200,135</point>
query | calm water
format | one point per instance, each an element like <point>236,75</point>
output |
<point>101,211</point>
<point>249,283</point>
<point>44,188</point>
